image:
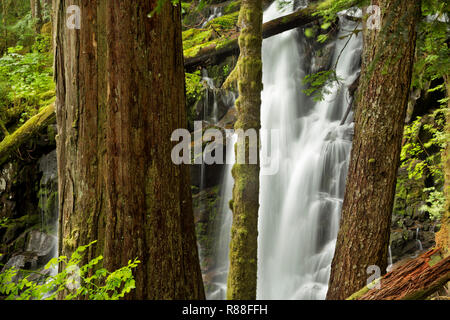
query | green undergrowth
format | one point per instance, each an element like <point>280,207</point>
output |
<point>26,81</point>
<point>89,281</point>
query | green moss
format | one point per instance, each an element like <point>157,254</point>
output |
<point>215,34</point>
<point>225,22</point>
<point>26,131</point>
<point>232,7</point>
<point>71,242</point>
<point>195,37</point>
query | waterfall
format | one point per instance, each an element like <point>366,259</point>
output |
<point>216,12</point>
<point>389,267</point>
<point>210,115</point>
<point>419,243</point>
<point>299,205</point>
<point>219,285</point>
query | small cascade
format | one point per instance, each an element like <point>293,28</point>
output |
<point>216,103</point>
<point>46,239</point>
<point>219,285</point>
<point>210,114</point>
<point>389,267</point>
<point>418,242</point>
<point>216,12</point>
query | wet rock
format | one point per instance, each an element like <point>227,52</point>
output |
<point>408,222</point>
<point>49,167</point>
<point>208,175</point>
<point>25,260</point>
<point>43,245</point>
<point>229,119</point>
<point>214,104</point>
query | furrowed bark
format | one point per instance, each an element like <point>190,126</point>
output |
<point>443,236</point>
<point>417,279</point>
<point>382,97</point>
<point>245,204</point>
<point>120,95</point>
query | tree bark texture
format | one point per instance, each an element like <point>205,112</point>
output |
<point>443,236</point>
<point>120,95</point>
<point>245,203</point>
<point>382,97</point>
<point>417,279</point>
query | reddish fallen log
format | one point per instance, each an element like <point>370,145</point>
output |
<point>417,279</point>
<point>211,54</point>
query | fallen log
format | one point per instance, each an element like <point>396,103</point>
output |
<point>417,279</point>
<point>211,54</point>
<point>13,141</point>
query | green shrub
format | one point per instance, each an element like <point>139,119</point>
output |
<point>75,280</point>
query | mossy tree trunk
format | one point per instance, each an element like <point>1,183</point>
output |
<point>245,203</point>
<point>388,57</point>
<point>120,95</point>
<point>443,236</point>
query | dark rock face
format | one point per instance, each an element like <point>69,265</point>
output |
<point>206,205</point>
<point>412,230</point>
<point>214,103</point>
<point>28,199</point>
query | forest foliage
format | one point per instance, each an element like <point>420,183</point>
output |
<point>76,281</point>
<point>26,64</point>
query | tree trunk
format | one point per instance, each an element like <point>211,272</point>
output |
<point>36,14</point>
<point>380,113</point>
<point>120,95</point>
<point>415,280</point>
<point>443,236</point>
<point>245,203</point>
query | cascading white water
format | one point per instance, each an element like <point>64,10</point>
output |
<point>390,264</point>
<point>219,285</point>
<point>419,243</point>
<point>300,205</point>
<point>210,114</point>
<point>217,12</point>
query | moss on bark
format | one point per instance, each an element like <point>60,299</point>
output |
<point>244,231</point>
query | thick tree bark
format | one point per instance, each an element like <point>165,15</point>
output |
<point>443,236</point>
<point>120,95</point>
<point>415,280</point>
<point>245,203</point>
<point>381,107</point>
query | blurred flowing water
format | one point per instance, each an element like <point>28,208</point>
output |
<point>300,205</point>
